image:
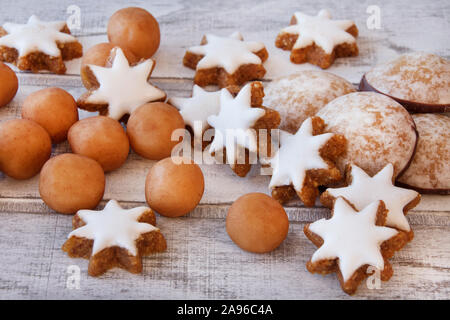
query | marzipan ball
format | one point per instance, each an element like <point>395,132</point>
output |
<point>70,182</point>
<point>174,188</point>
<point>54,109</point>
<point>135,29</point>
<point>102,139</point>
<point>257,223</point>
<point>150,130</point>
<point>24,148</point>
<point>8,84</point>
<point>100,55</point>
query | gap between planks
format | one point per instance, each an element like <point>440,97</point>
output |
<point>219,211</point>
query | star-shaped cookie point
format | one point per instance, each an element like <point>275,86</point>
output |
<point>352,237</point>
<point>114,237</point>
<point>38,45</point>
<point>226,60</point>
<point>308,33</point>
<point>364,189</point>
<point>300,153</point>
<point>233,124</point>
<point>122,88</point>
<point>196,110</point>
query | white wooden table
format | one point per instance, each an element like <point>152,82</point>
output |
<point>201,260</point>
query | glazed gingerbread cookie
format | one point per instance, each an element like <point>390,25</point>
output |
<point>226,60</point>
<point>419,81</point>
<point>429,171</point>
<point>118,90</point>
<point>305,161</point>
<point>239,126</point>
<point>379,131</point>
<point>38,45</point>
<point>114,237</point>
<point>301,95</point>
<point>363,189</point>
<point>318,39</point>
<point>351,241</point>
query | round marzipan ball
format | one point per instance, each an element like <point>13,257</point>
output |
<point>8,84</point>
<point>100,55</point>
<point>102,139</point>
<point>54,109</point>
<point>150,129</point>
<point>70,182</point>
<point>174,187</point>
<point>24,148</point>
<point>257,223</point>
<point>135,29</point>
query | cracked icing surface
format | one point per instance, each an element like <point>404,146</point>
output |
<point>430,168</point>
<point>301,95</point>
<point>418,77</point>
<point>378,130</point>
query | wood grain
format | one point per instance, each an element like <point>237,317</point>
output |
<point>201,261</point>
<point>198,265</point>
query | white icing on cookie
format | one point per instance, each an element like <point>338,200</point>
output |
<point>297,154</point>
<point>379,131</point>
<point>232,126</point>
<point>418,77</point>
<point>301,95</point>
<point>122,87</point>
<point>113,226</point>
<point>365,189</point>
<point>227,52</point>
<point>198,108</point>
<point>430,168</point>
<point>34,36</point>
<point>352,237</point>
<point>321,30</point>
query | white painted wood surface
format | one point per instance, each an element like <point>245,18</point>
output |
<point>201,261</point>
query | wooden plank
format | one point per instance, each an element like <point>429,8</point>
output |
<point>197,265</point>
<point>183,26</point>
<point>219,211</point>
<point>127,183</point>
